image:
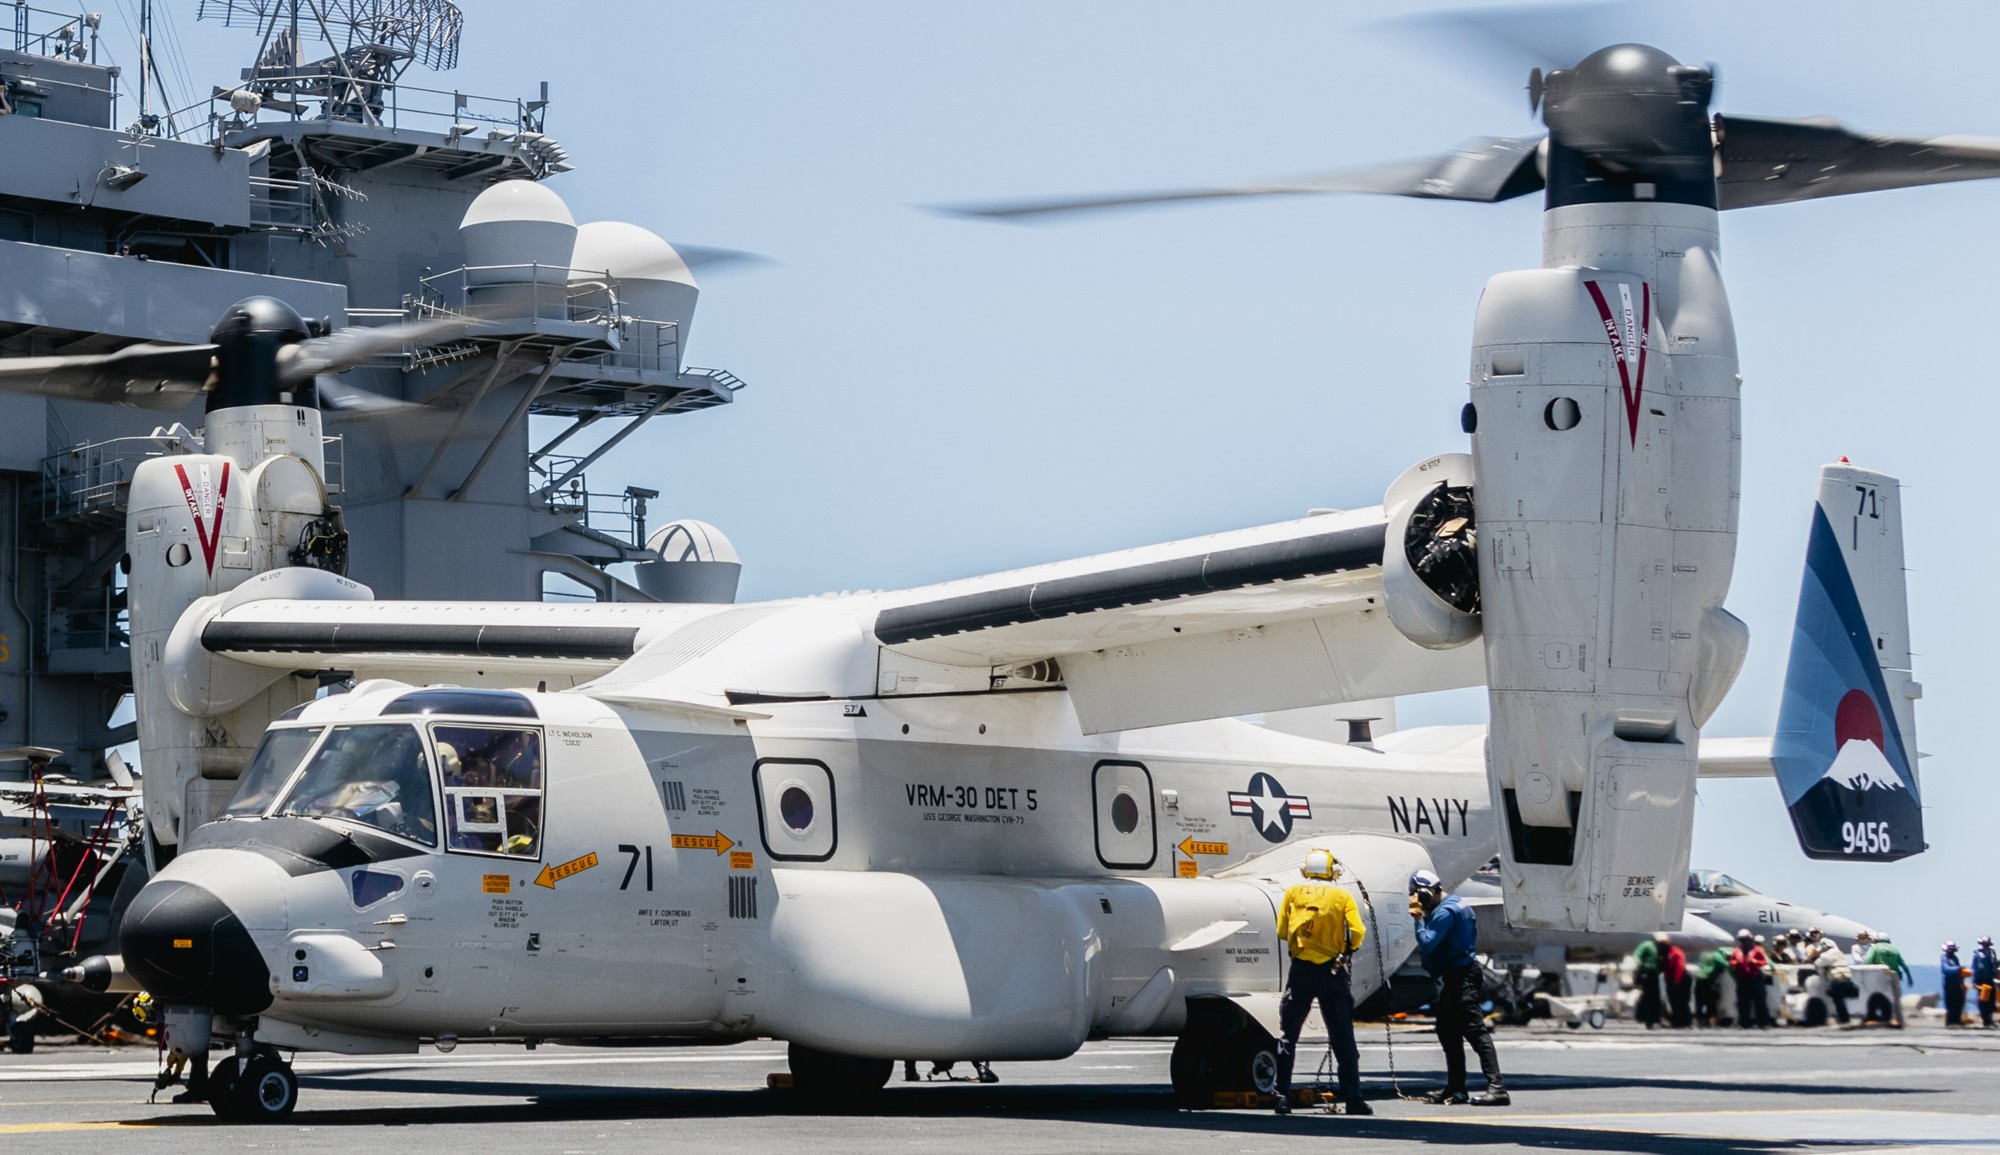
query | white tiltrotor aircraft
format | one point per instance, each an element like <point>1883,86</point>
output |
<point>1002,816</point>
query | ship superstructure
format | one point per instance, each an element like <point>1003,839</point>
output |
<point>321,178</point>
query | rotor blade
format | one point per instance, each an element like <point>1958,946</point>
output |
<point>703,259</point>
<point>356,344</point>
<point>148,376</point>
<point>337,396</point>
<point>1768,162</point>
<point>1488,169</point>
<point>1503,44</point>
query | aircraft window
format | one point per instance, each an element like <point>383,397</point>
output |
<point>796,807</point>
<point>492,789</point>
<point>1727,887</point>
<point>490,703</point>
<point>1716,884</point>
<point>373,774</point>
<point>279,755</point>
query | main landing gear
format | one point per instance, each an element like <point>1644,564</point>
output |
<point>1221,1051</point>
<point>829,1078</point>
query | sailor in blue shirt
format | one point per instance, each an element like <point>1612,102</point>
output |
<point>1447,933</point>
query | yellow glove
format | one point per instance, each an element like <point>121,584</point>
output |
<point>1416,907</point>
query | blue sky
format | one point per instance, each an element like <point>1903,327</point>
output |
<point>931,398</point>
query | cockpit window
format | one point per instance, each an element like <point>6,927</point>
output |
<point>280,754</point>
<point>492,788</point>
<point>374,774</point>
<point>1715,884</point>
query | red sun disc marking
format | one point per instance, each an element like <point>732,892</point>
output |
<point>1855,718</point>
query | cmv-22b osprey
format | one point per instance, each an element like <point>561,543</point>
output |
<point>961,821</point>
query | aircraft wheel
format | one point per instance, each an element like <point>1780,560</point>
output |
<point>1204,1064</point>
<point>823,1075</point>
<point>266,1091</point>
<point>21,1035</point>
<point>222,1087</point>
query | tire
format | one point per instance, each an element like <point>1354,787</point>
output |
<point>222,1087</point>
<point>1205,1064</point>
<point>1815,1012</point>
<point>21,1036</point>
<point>1879,1010</point>
<point>826,1077</point>
<point>1597,1020</point>
<point>266,1091</point>
<point>1258,1060</point>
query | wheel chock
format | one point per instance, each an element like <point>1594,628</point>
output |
<point>779,1080</point>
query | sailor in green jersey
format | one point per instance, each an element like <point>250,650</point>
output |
<point>1884,953</point>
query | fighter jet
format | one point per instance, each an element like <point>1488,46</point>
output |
<point>1732,906</point>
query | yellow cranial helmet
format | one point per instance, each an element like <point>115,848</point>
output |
<point>1320,864</point>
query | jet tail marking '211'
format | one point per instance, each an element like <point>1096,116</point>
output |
<point>1408,816</point>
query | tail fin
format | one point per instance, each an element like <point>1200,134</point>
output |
<point>1846,744</point>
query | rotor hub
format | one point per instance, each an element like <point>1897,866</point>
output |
<point>1633,109</point>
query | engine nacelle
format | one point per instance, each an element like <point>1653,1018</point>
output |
<point>1430,564</point>
<point>201,524</point>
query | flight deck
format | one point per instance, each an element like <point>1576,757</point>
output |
<point>1618,1089</point>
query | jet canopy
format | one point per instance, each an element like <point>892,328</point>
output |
<point>1715,884</point>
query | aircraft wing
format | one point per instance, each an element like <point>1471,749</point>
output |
<point>1275,617</point>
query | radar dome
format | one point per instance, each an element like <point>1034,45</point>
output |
<point>696,564</point>
<point>517,232</point>
<point>654,284</point>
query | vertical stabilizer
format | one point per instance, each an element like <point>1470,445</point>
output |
<point>1846,745</point>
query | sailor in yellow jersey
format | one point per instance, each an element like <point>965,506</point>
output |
<point>1322,928</point>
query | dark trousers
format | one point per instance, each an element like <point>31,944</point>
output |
<point>1954,1002</point>
<point>1840,992</point>
<point>1460,1021</point>
<point>1677,1000</point>
<point>1648,1011</point>
<point>1751,1009</point>
<point>1708,1000</point>
<point>1330,985</point>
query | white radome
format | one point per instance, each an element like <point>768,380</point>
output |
<point>690,540</point>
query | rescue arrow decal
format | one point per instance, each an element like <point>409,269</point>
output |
<point>1628,332</point>
<point>1191,848</point>
<point>203,506</point>
<point>553,874</point>
<point>718,842</point>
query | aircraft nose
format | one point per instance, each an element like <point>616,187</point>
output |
<point>186,946</point>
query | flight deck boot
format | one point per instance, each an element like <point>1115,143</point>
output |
<point>1495,1095</point>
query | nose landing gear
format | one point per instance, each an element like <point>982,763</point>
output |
<point>259,1089</point>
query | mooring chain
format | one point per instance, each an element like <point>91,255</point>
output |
<point>1326,1062</point>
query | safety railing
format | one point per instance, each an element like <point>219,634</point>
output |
<point>617,515</point>
<point>529,291</point>
<point>93,482</point>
